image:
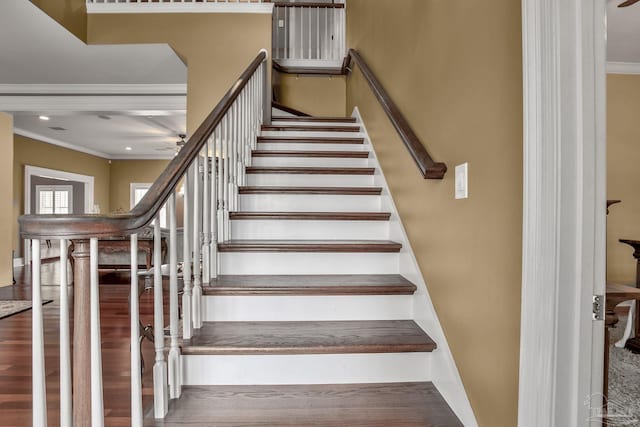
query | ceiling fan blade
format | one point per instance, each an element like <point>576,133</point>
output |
<point>628,3</point>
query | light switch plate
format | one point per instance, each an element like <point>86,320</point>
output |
<point>280,23</point>
<point>462,181</point>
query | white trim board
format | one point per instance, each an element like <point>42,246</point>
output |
<point>94,89</point>
<point>262,8</point>
<point>564,197</point>
<point>445,374</point>
<point>623,67</point>
<point>74,103</point>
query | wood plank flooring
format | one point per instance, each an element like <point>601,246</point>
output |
<point>342,405</point>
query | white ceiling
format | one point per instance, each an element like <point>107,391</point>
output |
<point>623,32</point>
<point>52,58</point>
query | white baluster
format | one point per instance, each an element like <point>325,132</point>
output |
<point>233,158</point>
<point>213,210</point>
<point>226,177</point>
<point>187,325</point>
<point>221,171</point>
<point>175,380</point>
<point>136,368</point>
<point>97,406</point>
<point>66,415</point>
<point>160,392</point>
<point>196,300</point>
<point>206,193</point>
<point>286,32</point>
<point>39,387</point>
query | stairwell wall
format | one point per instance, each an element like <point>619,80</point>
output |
<point>455,71</point>
<point>314,95</point>
<point>216,47</point>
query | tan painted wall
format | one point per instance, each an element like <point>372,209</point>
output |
<point>71,14</point>
<point>125,172</point>
<point>7,224</point>
<point>28,151</point>
<point>318,96</point>
<point>454,69</point>
<point>215,47</point>
<point>623,174</point>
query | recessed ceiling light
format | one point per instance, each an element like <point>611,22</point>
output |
<point>45,118</point>
<point>128,148</point>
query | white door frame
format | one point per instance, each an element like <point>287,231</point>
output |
<point>30,171</point>
<point>561,353</point>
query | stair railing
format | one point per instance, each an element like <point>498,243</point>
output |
<point>210,167</point>
<point>309,34</point>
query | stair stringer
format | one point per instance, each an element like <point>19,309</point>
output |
<point>444,371</point>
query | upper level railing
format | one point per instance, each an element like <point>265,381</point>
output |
<point>309,34</point>
<point>211,167</point>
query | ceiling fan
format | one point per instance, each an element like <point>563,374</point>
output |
<point>628,3</point>
<point>176,146</point>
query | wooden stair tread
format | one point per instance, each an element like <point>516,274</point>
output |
<point>309,246</point>
<point>349,284</point>
<point>309,140</point>
<point>352,191</point>
<point>302,128</point>
<point>317,337</point>
<point>313,119</point>
<point>317,216</point>
<point>303,170</point>
<point>328,154</point>
<point>410,404</point>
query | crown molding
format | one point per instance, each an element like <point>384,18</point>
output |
<point>60,143</point>
<point>75,103</point>
<point>141,157</point>
<point>623,67</point>
<point>93,89</point>
<point>264,8</point>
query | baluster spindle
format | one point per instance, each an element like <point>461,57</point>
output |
<point>136,360</point>
<point>160,392</point>
<point>196,300</point>
<point>97,406</point>
<point>225,189</point>
<point>187,325</point>
<point>206,192</point>
<point>65,343</point>
<point>39,388</point>
<point>213,237</point>
<point>175,381</point>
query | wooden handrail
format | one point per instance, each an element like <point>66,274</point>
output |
<point>86,226</point>
<point>428,167</point>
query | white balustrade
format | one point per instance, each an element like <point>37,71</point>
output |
<point>309,35</point>
<point>211,190</point>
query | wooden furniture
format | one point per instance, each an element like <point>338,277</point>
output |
<point>633,344</point>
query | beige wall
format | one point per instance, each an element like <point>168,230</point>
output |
<point>28,151</point>
<point>125,172</point>
<point>314,95</point>
<point>7,224</point>
<point>215,47</point>
<point>623,174</point>
<point>71,14</point>
<point>454,69</point>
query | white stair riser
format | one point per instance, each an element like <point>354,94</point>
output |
<point>313,123</point>
<point>315,146</point>
<point>305,369</point>
<point>305,229</point>
<point>310,161</point>
<point>312,134</point>
<point>308,263</point>
<point>309,203</point>
<point>305,180</point>
<point>276,308</point>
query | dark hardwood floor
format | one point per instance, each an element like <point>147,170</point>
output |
<point>15,349</point>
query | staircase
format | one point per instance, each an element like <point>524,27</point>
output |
<point>309,323</point>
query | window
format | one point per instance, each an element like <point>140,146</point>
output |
<point>54,199</point>
<point>138,190</point>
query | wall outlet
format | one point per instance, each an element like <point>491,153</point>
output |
<point>462,181</point>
